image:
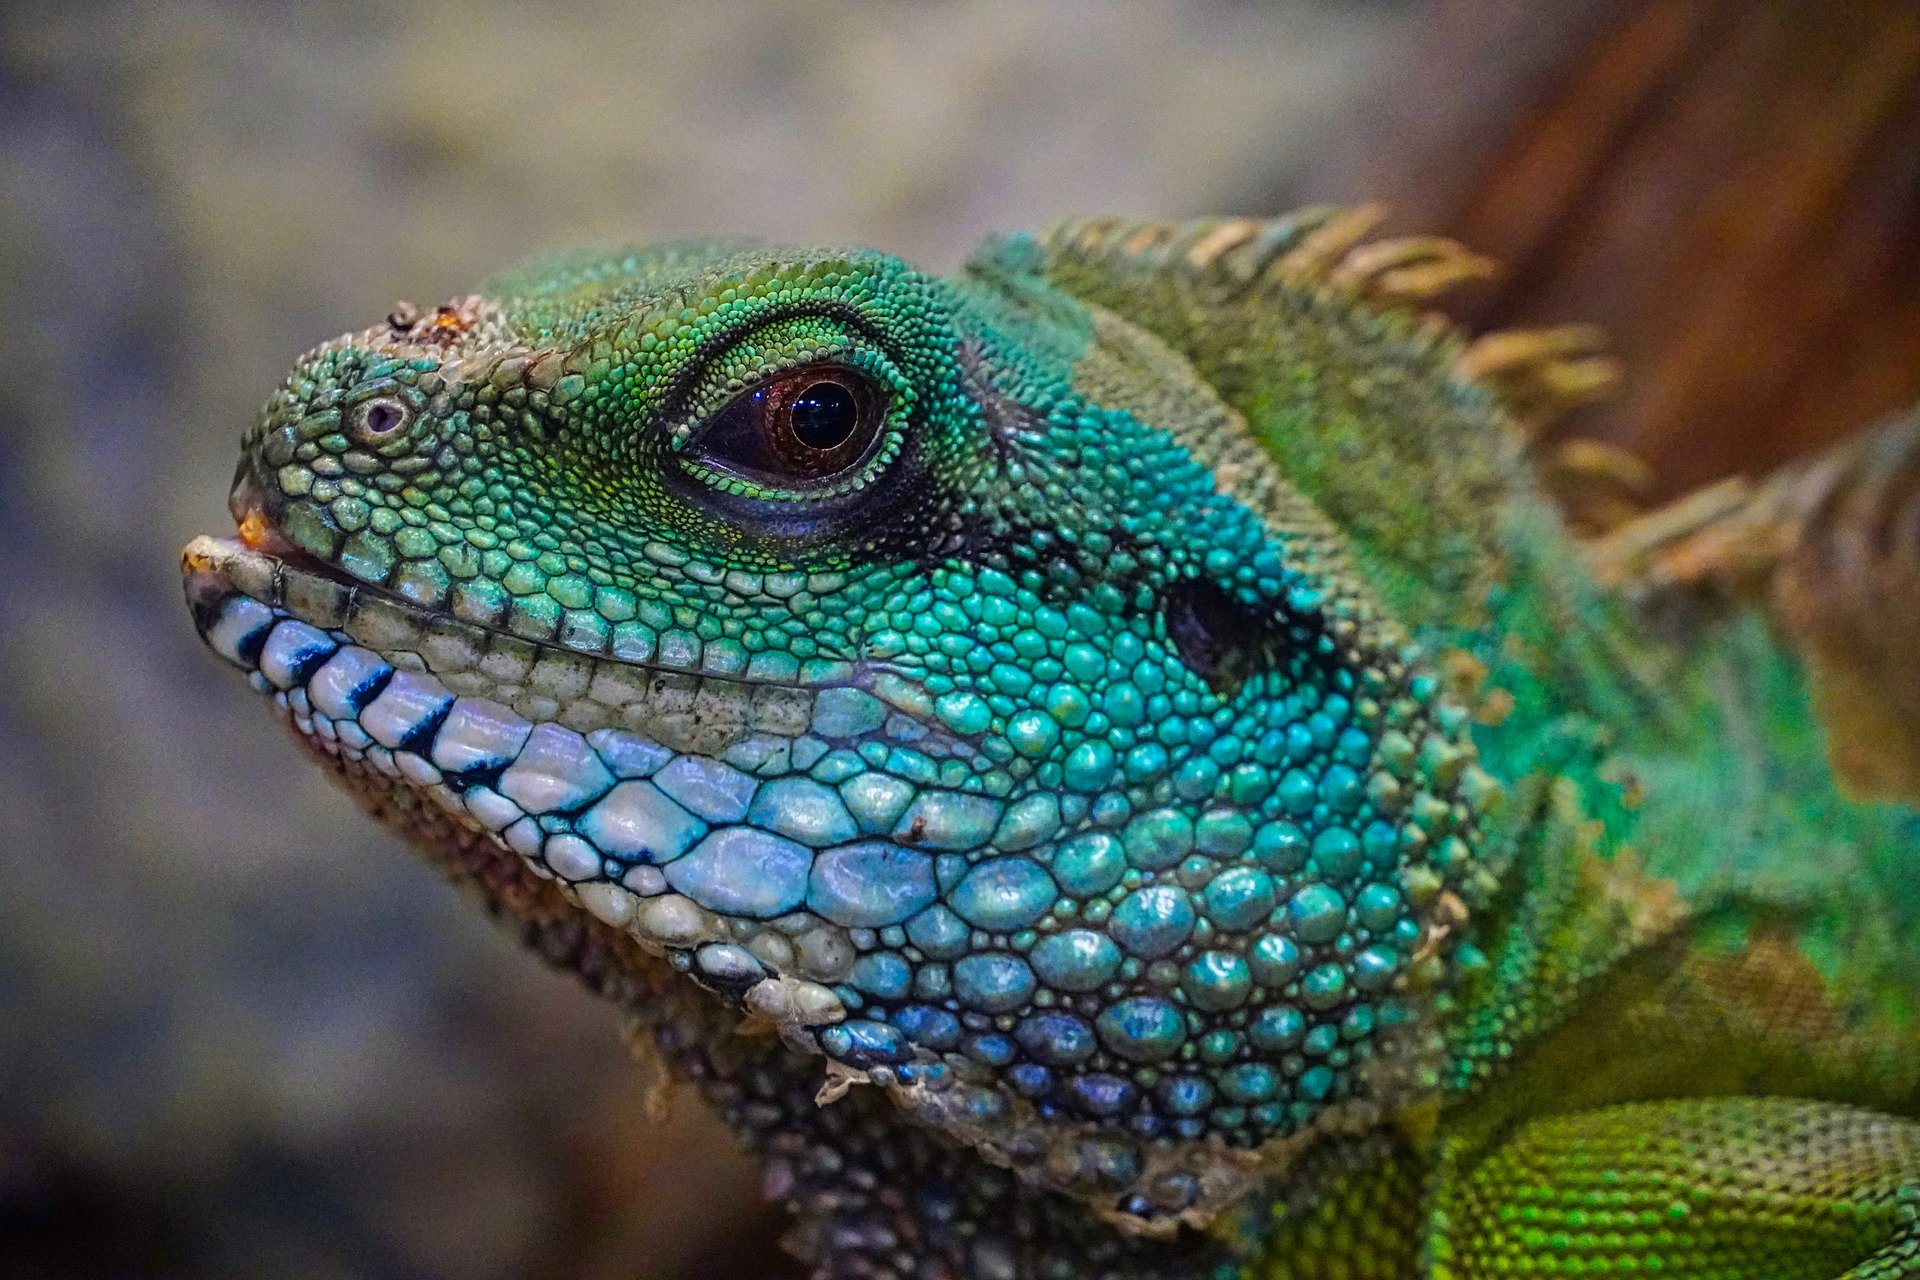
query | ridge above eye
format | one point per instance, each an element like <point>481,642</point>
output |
<point>799,429</point>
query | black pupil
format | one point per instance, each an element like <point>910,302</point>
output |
<point>382,418</point>
<point>824,415</point>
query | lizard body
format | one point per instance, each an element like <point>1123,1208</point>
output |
<point>1107,764</point>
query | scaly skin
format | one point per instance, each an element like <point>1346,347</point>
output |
<point>1132,727</point>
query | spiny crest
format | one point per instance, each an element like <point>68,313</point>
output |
<point>1540,376</point>
<point>1537,376</point>
<point>1832,548</point>
<point>1312,246</point>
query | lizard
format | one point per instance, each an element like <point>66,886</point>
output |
<point>1110,763</point>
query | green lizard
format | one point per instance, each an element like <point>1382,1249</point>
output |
<point>1107,764</point>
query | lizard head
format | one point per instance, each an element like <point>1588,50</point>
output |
<point>935,668</point>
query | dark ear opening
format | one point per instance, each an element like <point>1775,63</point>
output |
<point>1217,637</point>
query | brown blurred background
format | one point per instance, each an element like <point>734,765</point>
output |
<point>242,1032</point>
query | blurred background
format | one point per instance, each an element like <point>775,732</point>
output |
<point>242,1032</point>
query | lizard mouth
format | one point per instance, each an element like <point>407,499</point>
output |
<point>530,747</point>
<point>630,785</point>
<point>239,588</point>
<point>670,803</point>
<point>683,696</point>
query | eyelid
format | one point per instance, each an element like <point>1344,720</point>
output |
<point>718,387</point>
<point>691,424</point>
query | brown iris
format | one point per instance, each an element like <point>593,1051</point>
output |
<point>796,429</point>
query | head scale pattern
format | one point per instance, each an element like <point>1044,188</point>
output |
<point>1026,768</point>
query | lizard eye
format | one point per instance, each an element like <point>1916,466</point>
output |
<point>796,430</point>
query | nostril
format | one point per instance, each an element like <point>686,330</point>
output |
<point>1216,637</point>
<point>376,420</point>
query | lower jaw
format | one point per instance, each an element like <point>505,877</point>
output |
<point>496,796</point>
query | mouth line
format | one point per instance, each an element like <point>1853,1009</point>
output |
<point>744,712</point>
<point>261,563</point>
